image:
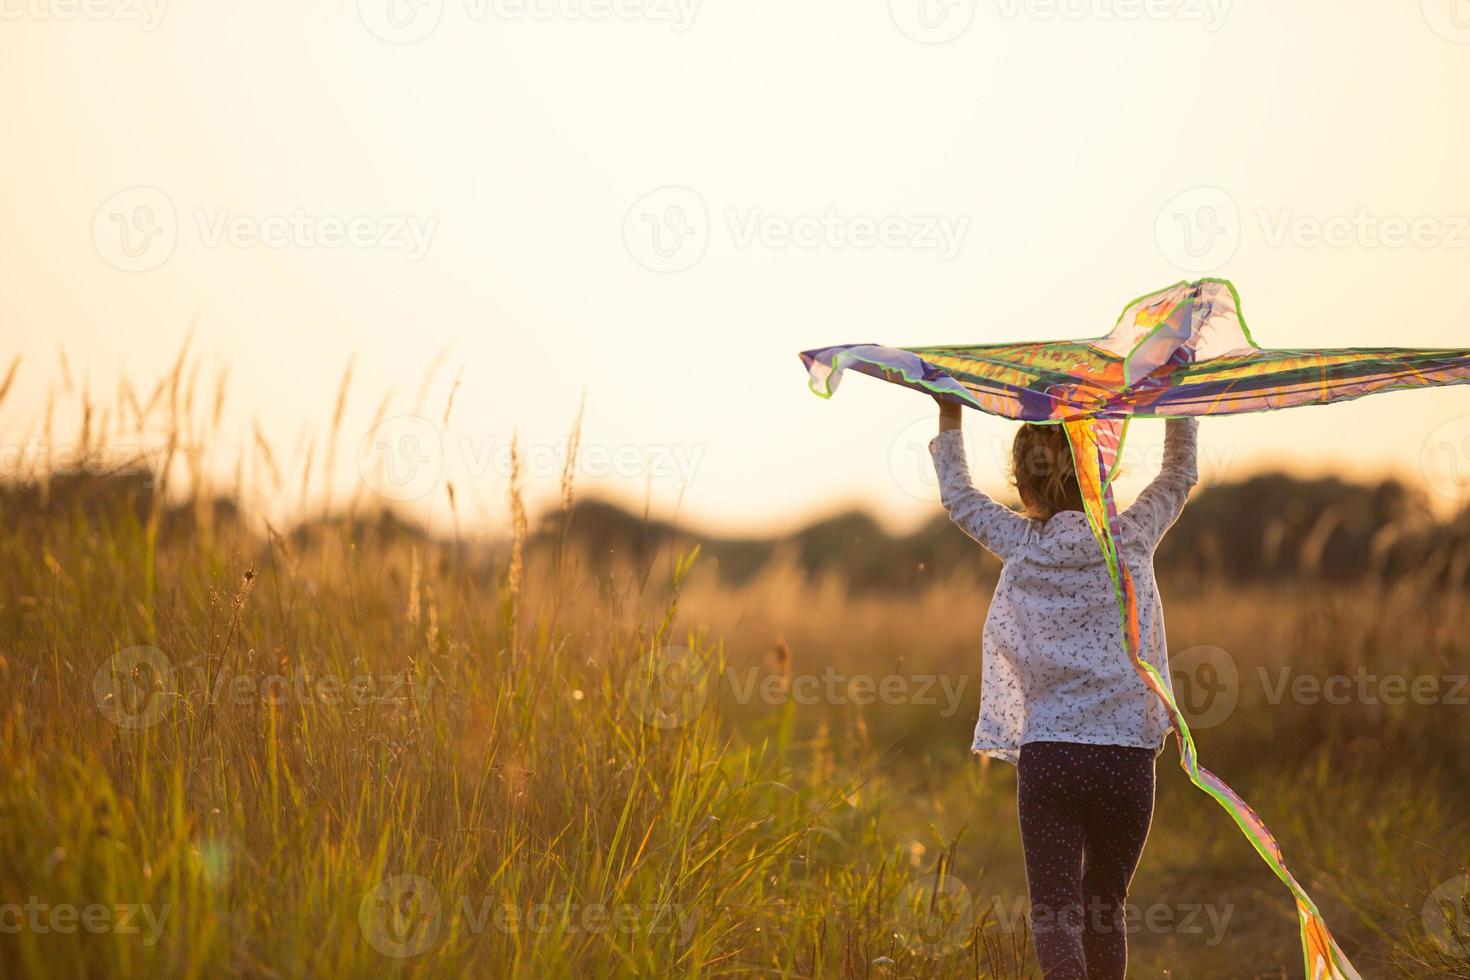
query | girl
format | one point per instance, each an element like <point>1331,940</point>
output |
<point>1059,697</point>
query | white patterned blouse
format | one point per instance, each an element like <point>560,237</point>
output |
<point>1054,666</point>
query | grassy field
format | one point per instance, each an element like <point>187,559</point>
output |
<point>355,750</point>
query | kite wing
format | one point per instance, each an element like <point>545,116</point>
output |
<point>1266,380</point>
<point>1181,351</point>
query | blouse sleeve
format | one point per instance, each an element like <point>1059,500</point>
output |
<point>996,527</point>
<point>1162,501</point>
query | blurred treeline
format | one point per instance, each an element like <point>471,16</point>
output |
<point>1269,528</point>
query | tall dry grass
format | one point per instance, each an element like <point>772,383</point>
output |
<point>369,751</point>
<point>346,750</point>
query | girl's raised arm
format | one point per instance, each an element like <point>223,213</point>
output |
<point>996,527</point>
<point>1161,502</point>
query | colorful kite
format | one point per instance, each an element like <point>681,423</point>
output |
<point>1182,351</point>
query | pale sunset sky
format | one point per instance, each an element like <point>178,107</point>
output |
<point>661,202</point>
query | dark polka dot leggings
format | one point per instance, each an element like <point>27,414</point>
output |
<point>1085,812</point>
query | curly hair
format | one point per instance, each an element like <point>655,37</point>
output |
<point>1042,470</point>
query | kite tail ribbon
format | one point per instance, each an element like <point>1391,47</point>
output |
<point>1096,443</point>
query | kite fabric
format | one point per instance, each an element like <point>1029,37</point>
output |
<point>1183,351</point>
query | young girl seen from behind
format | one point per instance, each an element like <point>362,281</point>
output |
<point>1059,696</point>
